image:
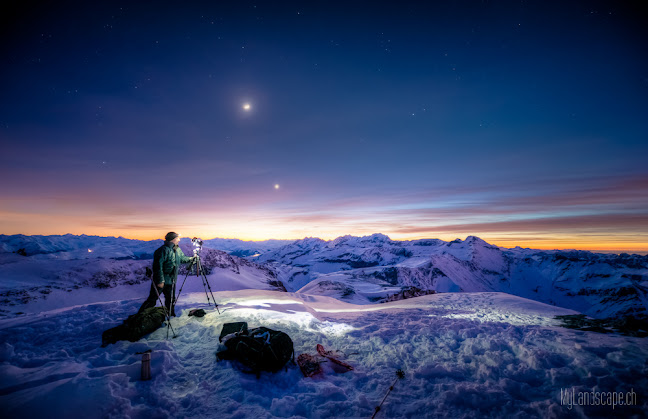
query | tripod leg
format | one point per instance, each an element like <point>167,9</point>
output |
<point>166,314</point>
<point>210,291</point>
<point>182,286</point>
<point>205,288</point>
<point>200,273</point>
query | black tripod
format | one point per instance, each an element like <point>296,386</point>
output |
<point>166,313</point>
<point>200,272</point>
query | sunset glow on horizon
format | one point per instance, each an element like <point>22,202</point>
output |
<point>618,245</point>
<point>522,124</point>
<point>276,219</point>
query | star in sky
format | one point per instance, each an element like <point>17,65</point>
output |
<point>425,120</point>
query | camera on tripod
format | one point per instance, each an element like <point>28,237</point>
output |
<point>200,272</point>
<point>197,246</point>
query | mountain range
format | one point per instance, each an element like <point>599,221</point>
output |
<point>361,270</point>
<point>369,269</point>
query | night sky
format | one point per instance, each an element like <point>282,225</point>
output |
<point>521,122</point>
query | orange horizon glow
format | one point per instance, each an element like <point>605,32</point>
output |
<point>609,219</point>
<point>619,244</point>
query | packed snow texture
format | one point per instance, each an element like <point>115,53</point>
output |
<point>464,355</point>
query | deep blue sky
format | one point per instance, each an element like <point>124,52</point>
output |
<point>521,122</point>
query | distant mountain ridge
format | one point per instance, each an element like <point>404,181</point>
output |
<point>33,279</point>
<point>370,268</point>
<point>363,270</point>
<point>71,246</point>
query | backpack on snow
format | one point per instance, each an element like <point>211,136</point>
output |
<point>135,326</point>
<point>259,349</point>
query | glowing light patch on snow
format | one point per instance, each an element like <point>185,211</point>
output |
<point>335,329</point>
<point>264,302</point>
<point>300,319</point>
<point>89,250</point>
<point>359,310</point>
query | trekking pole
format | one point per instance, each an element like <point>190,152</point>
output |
<point>400,374</point>
<point>166,314</point>
<point>173,298</point>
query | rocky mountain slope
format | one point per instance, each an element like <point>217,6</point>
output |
<point>369,269</point>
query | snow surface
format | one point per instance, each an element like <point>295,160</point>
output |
<point>464,354</point>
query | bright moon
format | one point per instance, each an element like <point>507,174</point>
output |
<point>247,106</point>
<point>277,186</point>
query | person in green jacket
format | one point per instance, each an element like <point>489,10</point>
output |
<point>166,262</point>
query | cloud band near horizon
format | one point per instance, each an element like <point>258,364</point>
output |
<point>604,213</point>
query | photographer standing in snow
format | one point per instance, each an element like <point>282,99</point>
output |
<point>166,263</point>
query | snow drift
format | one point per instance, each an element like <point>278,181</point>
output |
<point>464,355</point>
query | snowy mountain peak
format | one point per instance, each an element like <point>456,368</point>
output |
<point>375,239</point>
<point>474,240</point>
<point>472,249</point>
<point>309,242</point>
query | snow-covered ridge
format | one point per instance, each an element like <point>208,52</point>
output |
<point>70,246</point>
<point>368,269</point>
<point>44,281</point>
<point>361,270</point>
